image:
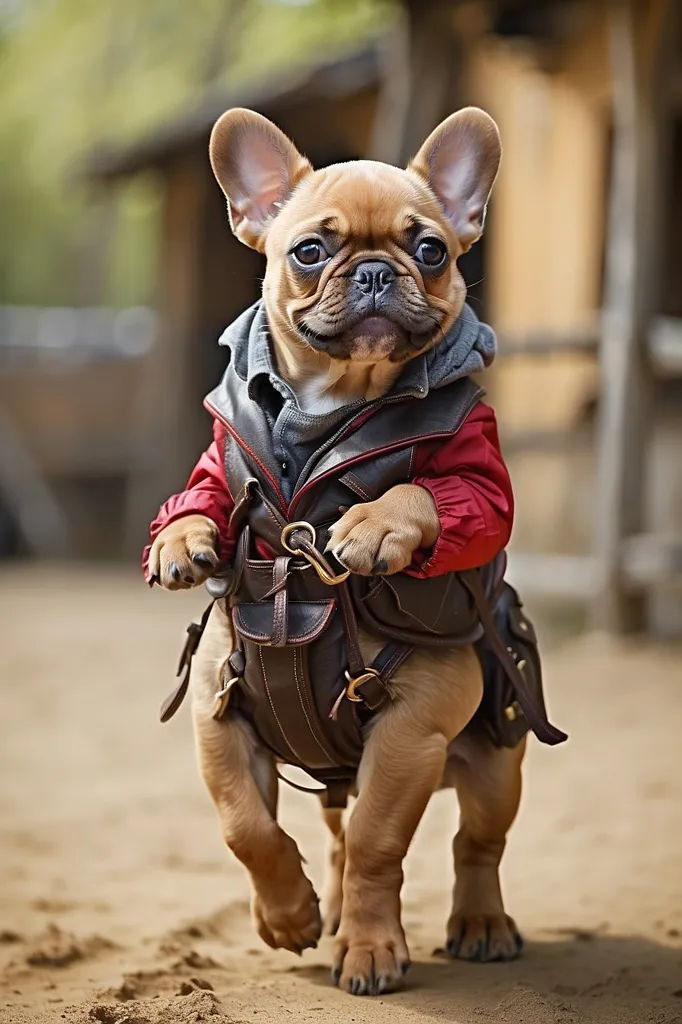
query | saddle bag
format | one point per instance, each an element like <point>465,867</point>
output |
<point>500,713</point>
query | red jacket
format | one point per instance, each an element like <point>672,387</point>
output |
<point>466,476</point>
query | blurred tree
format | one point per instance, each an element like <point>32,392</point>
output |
<point>73,73</point>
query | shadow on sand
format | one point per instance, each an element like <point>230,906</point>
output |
<point>559,980</point>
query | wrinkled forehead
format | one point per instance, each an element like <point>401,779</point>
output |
<point>359,199</point>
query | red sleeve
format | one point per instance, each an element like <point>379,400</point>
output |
<point>206,494</point>
<point>470,485</point>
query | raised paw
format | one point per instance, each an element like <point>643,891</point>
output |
<point>371,966</point>
<point>184,554</point>
<point>289,919</point>
<point>380,537</point>
<point>483,938</point>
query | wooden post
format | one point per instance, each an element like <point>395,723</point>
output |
<point>421,71</point>
<point>170,424</point>
<point>628,304</point>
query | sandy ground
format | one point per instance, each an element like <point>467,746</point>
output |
<point>119,904</point>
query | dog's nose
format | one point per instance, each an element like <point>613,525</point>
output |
<point>374,277</point>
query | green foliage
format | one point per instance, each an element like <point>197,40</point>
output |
<point>75,73</point>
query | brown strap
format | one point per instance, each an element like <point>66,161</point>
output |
<point>374,692</point>
<point>194,633</point>
<point>532,709</point>
<point>332,793</point>
<point>356,662</point>
<point>280,611</point>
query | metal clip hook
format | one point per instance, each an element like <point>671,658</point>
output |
<point>312,555</point>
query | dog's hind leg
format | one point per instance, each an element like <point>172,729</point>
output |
<point>240,775</point>
<point>488,783</point>
<point>332,898</point>
<point>435,694</point>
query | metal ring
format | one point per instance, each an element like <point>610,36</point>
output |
<point>289,529</point>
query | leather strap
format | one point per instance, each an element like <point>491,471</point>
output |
<point>280,614</point>
<point>194,633</point>
<point>533,711</point>
<point>356,662</point>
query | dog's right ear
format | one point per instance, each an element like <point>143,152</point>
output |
<point>257,167</point>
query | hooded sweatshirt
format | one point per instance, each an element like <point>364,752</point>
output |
<point>465,474</point>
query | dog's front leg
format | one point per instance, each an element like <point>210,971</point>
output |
<point>436,694</point>
<point>240,775</point>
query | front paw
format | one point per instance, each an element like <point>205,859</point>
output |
<point>371,964</point>
<point>370,542</point>
<point>184,554</point>
<point>288,918</point>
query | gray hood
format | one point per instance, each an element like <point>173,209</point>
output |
<point>468,347</point>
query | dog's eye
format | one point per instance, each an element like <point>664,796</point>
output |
<point>431,252</point>
<point>310,252</point>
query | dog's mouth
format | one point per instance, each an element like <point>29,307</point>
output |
<point>372,338</point>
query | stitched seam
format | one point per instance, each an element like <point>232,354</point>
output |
<point>301,694</point>
<point>409,468</point>
<point>272,705</point>
<point>352,482</point>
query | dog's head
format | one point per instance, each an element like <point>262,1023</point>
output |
<point>361,256</point>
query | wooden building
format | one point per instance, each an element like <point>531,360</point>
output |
<point>580,266</point>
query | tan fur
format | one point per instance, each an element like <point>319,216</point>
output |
<point>418,742</point>
<point>179,545</point>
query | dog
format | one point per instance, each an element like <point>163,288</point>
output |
<point>361,286</point>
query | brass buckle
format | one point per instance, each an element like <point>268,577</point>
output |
<point>355,681</point>
<point>319,564</point>
<point>221,698</point>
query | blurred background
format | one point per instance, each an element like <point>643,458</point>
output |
<point>118,270</point>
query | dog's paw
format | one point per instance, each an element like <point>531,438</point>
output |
<point>289,919</point>
<point>483,938</point>
<point>370,965</point>
<point>380,537</point>
<point>184,554</point>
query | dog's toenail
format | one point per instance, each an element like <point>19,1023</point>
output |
<point>336,975</point>
<point>478,952</point>
<point>203,561</point>
<point>355,986</point>
<point>175,571</point>
<point>405,966</point>
<point>452,947</point>
<point>380,566</point>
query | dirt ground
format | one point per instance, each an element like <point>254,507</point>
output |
<point>119,904</point>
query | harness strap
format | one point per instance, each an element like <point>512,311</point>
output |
<point>534,712</point>
<point>176,697</point>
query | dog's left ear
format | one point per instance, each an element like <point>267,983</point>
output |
<point>257,167</point>
<point>459,160</point>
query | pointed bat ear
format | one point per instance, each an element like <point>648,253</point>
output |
<point>257,167</point>
<point>460,160</point>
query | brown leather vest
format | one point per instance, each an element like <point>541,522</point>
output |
<point>288,622</point>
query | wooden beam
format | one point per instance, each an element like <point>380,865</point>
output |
<point>555,441</point>
<point>564,577</point>
<point>652,559</point>
<point>170,418</point>
<point>421,65</point>
<point>548,342</point>
<point>28,495</point>
<point>630,272</point>
<point>665,346</point>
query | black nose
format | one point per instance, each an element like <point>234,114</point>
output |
<point>374,277</point>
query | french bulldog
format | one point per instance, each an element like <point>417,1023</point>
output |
<point>361,280</point>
